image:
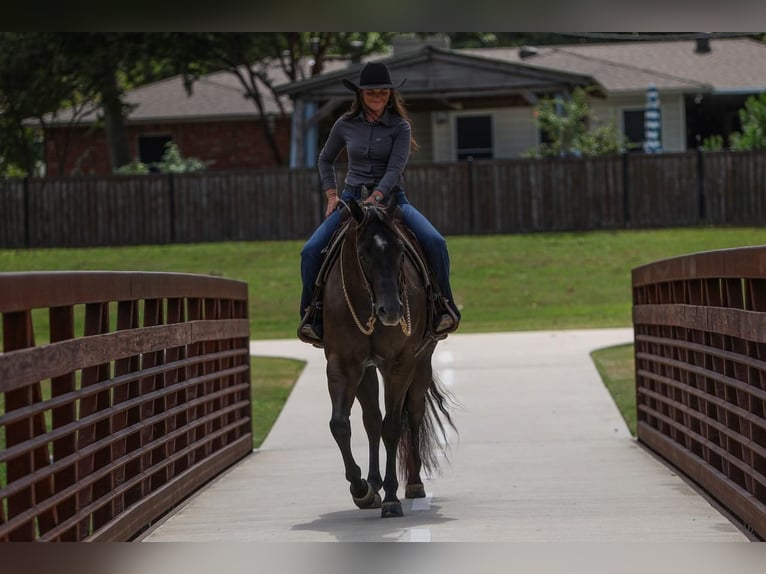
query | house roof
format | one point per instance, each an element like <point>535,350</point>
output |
<point>735,65</point>
<point>732,66</point>
<point>437,72</point>
<point>215,96</point>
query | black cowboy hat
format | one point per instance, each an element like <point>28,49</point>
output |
<point>373,75</point>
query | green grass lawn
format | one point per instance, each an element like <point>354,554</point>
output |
<point>616,367</point>
<point>504,283</point>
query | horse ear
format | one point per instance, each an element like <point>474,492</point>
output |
<point>392,209</point>
<point>356,210</point>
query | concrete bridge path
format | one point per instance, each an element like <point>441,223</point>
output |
<point>542,455</point>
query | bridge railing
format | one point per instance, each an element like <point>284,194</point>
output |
<point>700,350</point>
<point>137,393</point>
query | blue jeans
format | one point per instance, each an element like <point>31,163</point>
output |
<point>433,244</point>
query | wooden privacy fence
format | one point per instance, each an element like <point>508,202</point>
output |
<point>460,198</point>
<point>700,350</point>
<point>140,396</point>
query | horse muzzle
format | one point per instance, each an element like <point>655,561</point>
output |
<point>389,313</point>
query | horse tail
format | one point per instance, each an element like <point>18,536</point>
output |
<point>433,439</point>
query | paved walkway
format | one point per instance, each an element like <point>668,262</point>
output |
<point>542,455</point>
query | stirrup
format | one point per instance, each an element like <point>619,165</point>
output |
<point>307,334</point>
<point>306,330</point>
<point>445,321</point>
<point>445,324</point>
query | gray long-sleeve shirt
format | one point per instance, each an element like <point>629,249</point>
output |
<point>376,153</point>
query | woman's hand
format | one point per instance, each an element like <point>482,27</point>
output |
<point>375,198</point>
<point>332,201</point>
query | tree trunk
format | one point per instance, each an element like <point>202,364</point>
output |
<point>114,122</point>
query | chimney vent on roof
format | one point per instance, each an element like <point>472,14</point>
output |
<point>527,52</point>
<point>702,45</point>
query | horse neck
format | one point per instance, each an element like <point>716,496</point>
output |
<point>355,280</point>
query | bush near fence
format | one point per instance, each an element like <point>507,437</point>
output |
<point>460,198</point>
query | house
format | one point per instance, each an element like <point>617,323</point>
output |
<point>702,83</point>
<point>473,102</point>
<point>479,102</point>
<point>461,104</point>
<point>215,123</point>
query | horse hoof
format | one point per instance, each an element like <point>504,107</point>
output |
<point>370,500</point>
<point>415,491</point>
<point>391,510</point>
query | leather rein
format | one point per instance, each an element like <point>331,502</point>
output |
<point>405,322</point>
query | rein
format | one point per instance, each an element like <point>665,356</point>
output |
<point>367,330</point>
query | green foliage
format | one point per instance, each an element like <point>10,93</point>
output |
<point>172,162</point>
<point>566,125</point>
<point>36,80</point>
<point>21,149</point>
<point>601,140</point>
<point>713,143</point>
<point>753,120</point>
<point>135,167</point>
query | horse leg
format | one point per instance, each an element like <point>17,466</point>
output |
<point>342,381</point>
<point>415,407</point>
<point>395,390</point>
<point>367,395</point>
<point>391,505</point>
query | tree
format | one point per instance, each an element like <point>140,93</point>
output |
<point>60,77</point>
<point>37,82</point>
<point>565,122</point>
<point>107,66</point>
<point>255,58</point>
<point>753,120</point>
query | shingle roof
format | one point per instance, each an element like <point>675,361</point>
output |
<point>731,65</point>
<point>219,95</point>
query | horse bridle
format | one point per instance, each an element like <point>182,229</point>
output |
<point>370,326</point>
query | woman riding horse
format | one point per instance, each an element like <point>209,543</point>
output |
<point>376,134</point>
<point>376,314</point>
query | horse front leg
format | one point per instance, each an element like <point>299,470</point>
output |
<point>367,395</point>
<point>396,384</point>
<point>392,430</point>
<point>342,381</point>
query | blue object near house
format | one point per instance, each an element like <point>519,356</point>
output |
<point>652,121</point>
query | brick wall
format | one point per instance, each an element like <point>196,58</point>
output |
<point>228,144</point>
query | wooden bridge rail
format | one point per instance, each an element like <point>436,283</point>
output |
<point>700,350</point>
<point>139,395</point>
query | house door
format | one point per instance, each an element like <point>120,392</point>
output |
<point>474,137</point>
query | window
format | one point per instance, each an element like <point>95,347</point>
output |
<point>633,129</point>
<point>474,137</point>
<point>152,148</point>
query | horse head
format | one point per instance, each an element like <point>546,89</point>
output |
<point>380,253</point>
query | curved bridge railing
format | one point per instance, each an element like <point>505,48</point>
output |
<point>700,350</point>
<point>139,394</point>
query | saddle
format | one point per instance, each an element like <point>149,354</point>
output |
<point>413,250</point>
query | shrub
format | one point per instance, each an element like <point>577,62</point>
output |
<point>753,120</point>
<point>566,125</point>
<point>172,162</point>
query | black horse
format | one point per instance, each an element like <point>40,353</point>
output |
<point>376,319</point>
